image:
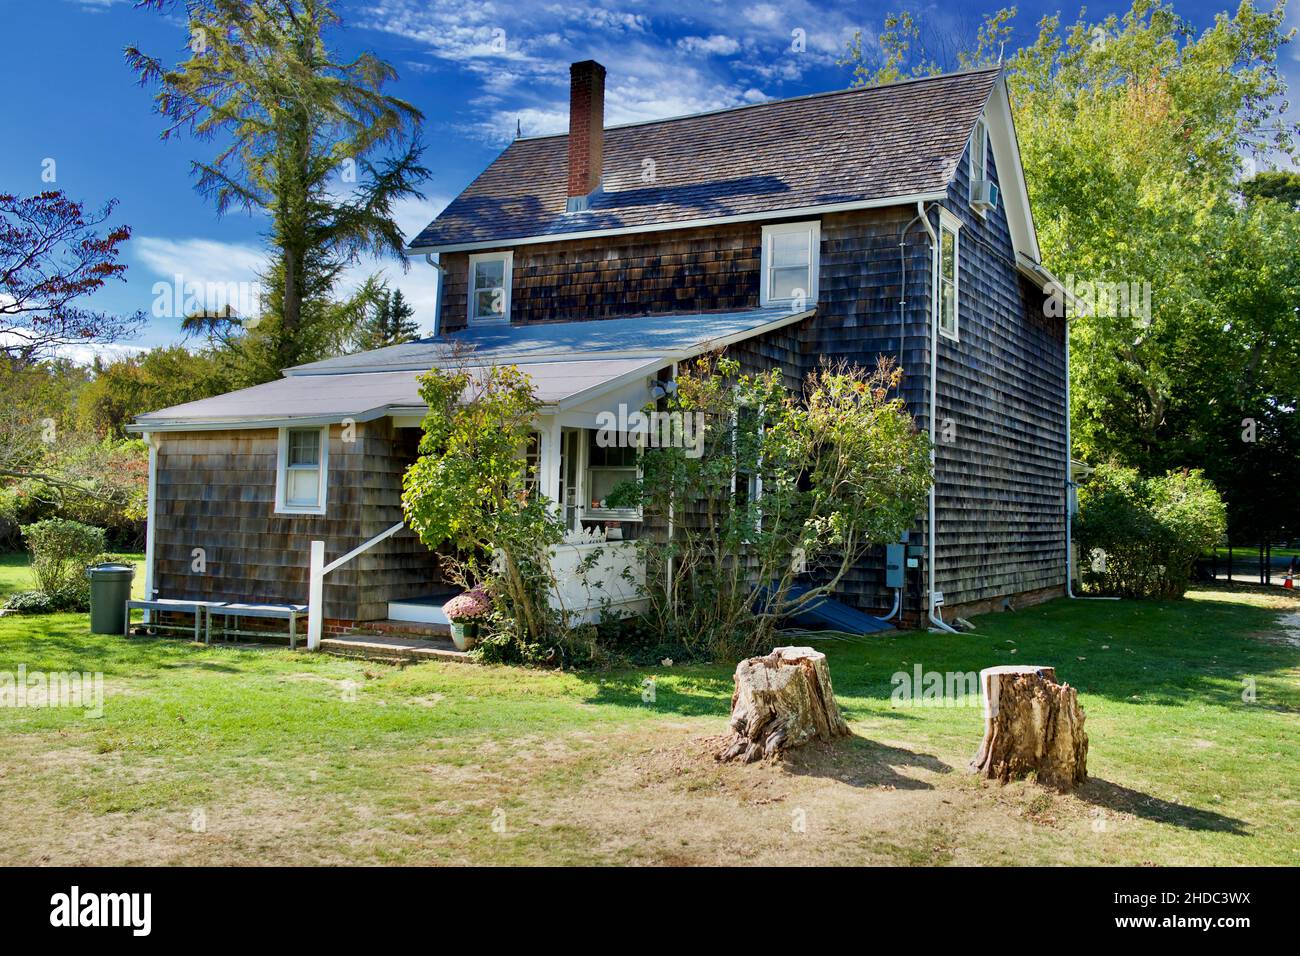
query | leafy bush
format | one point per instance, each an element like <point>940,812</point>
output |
<point>30,602</point>
<point>782,495</point>
<point>1152,530</point>
<point>60,551</point>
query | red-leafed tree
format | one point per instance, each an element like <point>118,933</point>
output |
<point>52,254</point>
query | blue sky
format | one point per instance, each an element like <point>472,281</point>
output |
<point>70,98</point>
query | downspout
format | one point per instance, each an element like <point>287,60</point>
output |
<point>935,620</point>
<point>1069,518</point>
<point>437,300</point>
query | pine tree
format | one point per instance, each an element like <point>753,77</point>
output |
<point>298,123</point>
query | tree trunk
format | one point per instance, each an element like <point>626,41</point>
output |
<point>1032,724</point>
<point>781,701</point>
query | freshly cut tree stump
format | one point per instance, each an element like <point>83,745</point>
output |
<point>1032,724</point>
<point>781,701</point>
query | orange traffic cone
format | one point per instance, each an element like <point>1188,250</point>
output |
<point>1290,575</point>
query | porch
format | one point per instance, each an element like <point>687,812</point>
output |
<point>244,486</point>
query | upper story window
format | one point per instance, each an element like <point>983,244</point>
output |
<point>301,475</point>
<point>983,193</point>
<point>979,152</point>
<point>790,261</point>
<point>489,286</point>
<point>946,292</point>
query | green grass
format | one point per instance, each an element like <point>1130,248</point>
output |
<point>16,573</point>
<point>302,758</point>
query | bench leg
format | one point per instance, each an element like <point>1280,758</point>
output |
<point>293,637</point>
<point>126,624</point>
<point>207,630</point>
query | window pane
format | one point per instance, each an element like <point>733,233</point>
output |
<point>948,255</point>
<point>304,447</point>
<point>948,307</point>
<point>601,483</point>
<point>303,486</point>
<point>489,303</point>
<point>786,280</point>
<point>489,274</point>
<point>790,249</point>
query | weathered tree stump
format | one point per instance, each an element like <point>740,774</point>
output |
<point>781,701</point>
<point>1032,724</point>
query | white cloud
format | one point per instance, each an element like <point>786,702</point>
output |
<point>717,45</point>
<point>664,59</point>
<point>200,260</point>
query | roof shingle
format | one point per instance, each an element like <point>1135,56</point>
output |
<point>849,146</point>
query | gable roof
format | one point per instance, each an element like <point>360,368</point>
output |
<point>848,149</point>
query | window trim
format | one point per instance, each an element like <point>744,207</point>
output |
<point>814,228</point>
<point>950,223</point>
<point>508,257</point>
<point>982,131</point>
<point>282,507</point>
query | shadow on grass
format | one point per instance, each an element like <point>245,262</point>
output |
<point>862,762</point>
<point>695,691</point>
<point>1112,796</point>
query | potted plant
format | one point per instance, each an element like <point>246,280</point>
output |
<point>465,612</point>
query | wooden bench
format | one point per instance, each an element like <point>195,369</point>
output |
<point>290,612</point>
<point>202,611</point>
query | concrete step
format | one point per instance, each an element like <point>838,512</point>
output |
<point>392,648</point>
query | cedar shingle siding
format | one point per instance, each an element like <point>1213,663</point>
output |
<point>216,491</point>
<point>1001,499</point>
<point>689,270</point>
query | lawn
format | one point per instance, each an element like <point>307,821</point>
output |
<point>225,755</point>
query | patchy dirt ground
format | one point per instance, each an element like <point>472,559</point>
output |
<point>1180,773</point>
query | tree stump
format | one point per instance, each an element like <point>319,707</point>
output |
<point>1032,724</point>
<point>781,701</point>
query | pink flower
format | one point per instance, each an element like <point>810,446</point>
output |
<point>470,604</point>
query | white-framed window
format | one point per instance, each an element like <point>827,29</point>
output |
<point>302,473</point>
<point>489,286</point>
<point>978,170</point>
<point>948,267</point>
<point>791,251</point>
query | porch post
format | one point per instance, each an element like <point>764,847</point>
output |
<point>548,461</point>
<point>315,593</point>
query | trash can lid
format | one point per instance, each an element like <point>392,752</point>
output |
<point>110,569</point>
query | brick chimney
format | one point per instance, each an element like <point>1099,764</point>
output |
<point>586,131</point>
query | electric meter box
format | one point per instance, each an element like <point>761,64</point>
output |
<point>894,565</point>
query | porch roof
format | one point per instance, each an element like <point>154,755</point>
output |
<point>363,396</point>
<point>670,337</point>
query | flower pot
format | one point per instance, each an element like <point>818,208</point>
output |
<point>464,634</point>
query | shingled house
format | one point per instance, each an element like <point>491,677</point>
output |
<point>889,220</point>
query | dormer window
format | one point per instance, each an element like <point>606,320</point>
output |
<point>790,262</point>
<point>983,194</point>
<point>489,287</point>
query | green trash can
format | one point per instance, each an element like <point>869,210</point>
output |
<point>110,589</point>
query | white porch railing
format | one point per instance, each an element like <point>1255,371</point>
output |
<point>316,580</point>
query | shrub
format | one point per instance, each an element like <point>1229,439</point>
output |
<point>1152,530</point>
<point>60,551</point>
<point>782,495</point>
<point>30,602</point>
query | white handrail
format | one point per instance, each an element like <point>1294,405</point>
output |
<point>316,580</point>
